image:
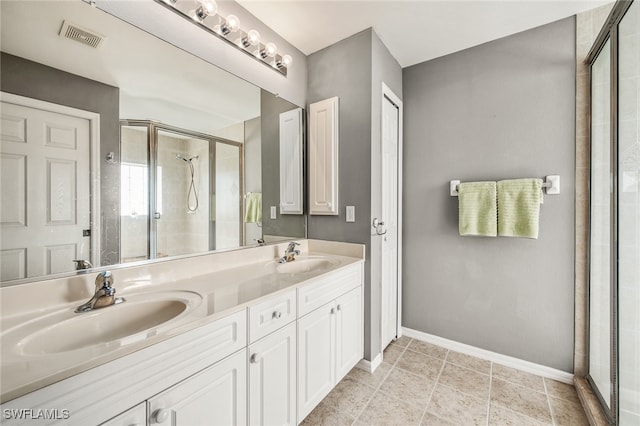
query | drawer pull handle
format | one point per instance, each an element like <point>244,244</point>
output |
<point>159,416</point>
<point>255,358</point>
<point>277,314</point>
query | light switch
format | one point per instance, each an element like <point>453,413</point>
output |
<point>273,212</point>
<point>351,213</point>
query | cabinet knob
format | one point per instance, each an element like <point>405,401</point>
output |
<point>159,416</point>
<point>333,311</point>
<point>339,307</point>
<point>277,314</point>
<point>255,358</point>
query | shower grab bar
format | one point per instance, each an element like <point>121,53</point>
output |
<point>551,184</point>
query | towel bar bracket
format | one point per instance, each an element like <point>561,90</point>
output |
<point>551,184</point>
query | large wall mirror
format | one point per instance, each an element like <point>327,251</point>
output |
<point>122,148</point>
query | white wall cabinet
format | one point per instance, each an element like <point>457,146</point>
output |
<point>215,396</point>
<point>291,150</point>
<point>330,344</point>
<point>272,378</point>
<point>323,157</point>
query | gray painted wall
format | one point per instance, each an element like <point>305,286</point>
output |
<point>26,78</point>
<point>344,70</point>
<point>289,225</point>
<point>501,110</point>
<point>384,69</point>
<point>353,69</point>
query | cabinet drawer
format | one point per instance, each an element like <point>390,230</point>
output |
<point>268,316</point>
<point>322,290</point>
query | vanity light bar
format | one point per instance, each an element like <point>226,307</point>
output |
<point>203,14</point>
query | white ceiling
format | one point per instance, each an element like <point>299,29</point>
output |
<point>414,31</point>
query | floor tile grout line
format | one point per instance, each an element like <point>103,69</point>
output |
<point>546,392</point>
<point>489,399</point>
<point>381,381</point>
<point>435,385</point>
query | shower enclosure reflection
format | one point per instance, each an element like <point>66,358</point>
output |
<point>181,192</point>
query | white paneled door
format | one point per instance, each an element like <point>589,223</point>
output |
<point>45,190</point>
<point>391,146</point>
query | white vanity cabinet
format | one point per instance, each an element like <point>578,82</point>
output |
<point>272,378</point>
<point>215,396</point>
<point>136,416</point>
<point>268,362</point>
<point>330,338</point>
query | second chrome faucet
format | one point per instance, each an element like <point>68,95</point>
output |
<point>290,253</point>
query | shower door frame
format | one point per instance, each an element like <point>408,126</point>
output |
<point>608,33</point>
<point>153,127</point>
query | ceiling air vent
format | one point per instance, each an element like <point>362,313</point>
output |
<point>82,35</point>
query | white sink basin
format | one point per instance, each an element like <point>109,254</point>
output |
<point>304,264</point>
<point>139,317</point>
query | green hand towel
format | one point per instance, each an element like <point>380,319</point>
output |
<point>519,207</point>
<point>477,214</point>
<point>254,208</point>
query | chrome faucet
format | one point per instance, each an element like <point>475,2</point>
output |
<point>290,253</point>
<point>82,264</point>
<point>104,295</point>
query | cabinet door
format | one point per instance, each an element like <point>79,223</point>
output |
<point>215,396</point>
<point>291,162</point>
<point>349,331</point>
<point>272,379</point>
<point>136,416</point>
<point>323,157</point>
<point>316,357</point>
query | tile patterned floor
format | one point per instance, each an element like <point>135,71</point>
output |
<point>423,384</point>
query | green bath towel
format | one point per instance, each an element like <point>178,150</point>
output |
<point>477,214</point>
<point>519,207</point>
<point>254,208</point>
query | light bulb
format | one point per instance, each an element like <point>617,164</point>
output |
<point>270,49</point>
<point>253,37</point>
<point>210,6</point>
<point>231,24</point>
<point>287,60</point>
<point>206,8</point>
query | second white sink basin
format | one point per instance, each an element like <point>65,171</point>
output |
<point>137,318</point>
<point>303,264</point>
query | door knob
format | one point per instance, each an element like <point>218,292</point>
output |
<point>378,225</point>
<point>159,416</point>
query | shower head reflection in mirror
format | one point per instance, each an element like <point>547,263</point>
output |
<point>193,191</point>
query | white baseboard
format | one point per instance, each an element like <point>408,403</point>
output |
<point>529,367</point>
<point>370,366</point>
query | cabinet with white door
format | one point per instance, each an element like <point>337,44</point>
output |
<point>215,396</point>
<point>272,378</point>
<point>323,157</point>
<point>135,416</point>
<point>330,344</point>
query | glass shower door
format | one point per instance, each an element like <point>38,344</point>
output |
<point>628,164</point>
<point>181,207</point>
<point>600,284</point>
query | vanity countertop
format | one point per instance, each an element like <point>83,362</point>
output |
<point>211,286</point>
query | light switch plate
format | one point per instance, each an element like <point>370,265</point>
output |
<point>273,212</point>
<point>351,213</point>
